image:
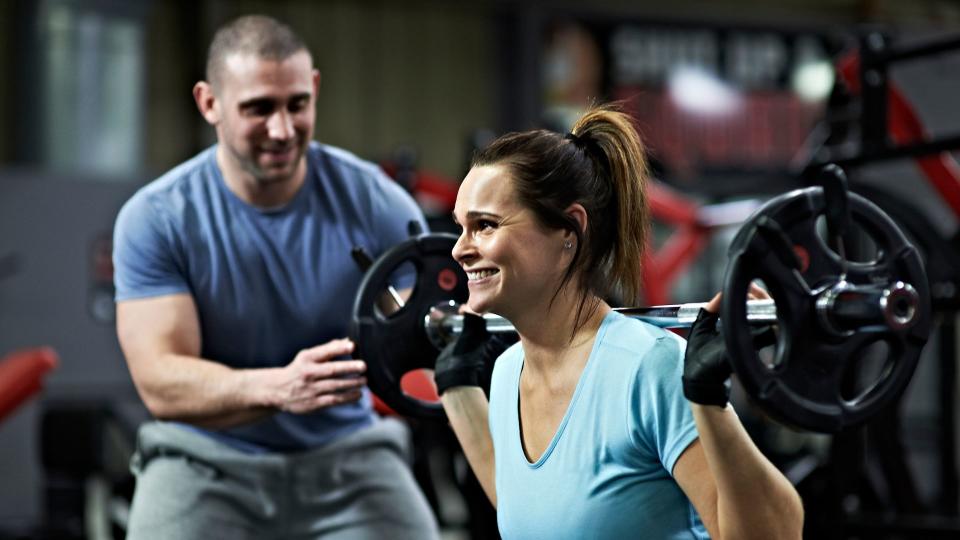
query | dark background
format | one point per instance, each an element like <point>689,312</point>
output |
<point>97,101</point>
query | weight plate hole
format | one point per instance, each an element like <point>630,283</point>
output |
<point>866,370</point>
<point>766,338</point>
<point>402,279</point>
<point>858,244</point>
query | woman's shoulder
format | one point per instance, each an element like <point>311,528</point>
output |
<point>636,335</point>
<point>512,356</point>
<point>641,345</point>
<point>506,371</point>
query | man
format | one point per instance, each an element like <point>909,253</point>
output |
<point>234,288</point>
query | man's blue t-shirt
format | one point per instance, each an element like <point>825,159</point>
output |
<point>607,473</point>
<point>266,282</point>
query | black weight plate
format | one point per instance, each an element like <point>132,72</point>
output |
<point>395,344</point>
<point>802,387</point>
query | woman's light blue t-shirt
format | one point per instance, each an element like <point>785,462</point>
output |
<point>607,473</point>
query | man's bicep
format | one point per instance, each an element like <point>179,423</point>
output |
<point>148,327</point>
<point>147,259</point>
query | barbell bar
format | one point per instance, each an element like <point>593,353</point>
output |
<point>840,309</point>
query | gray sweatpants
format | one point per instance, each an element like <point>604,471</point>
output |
<point>358,487</point>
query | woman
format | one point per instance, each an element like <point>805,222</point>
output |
<point>598,425</point>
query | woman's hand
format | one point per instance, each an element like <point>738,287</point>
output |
<point>706,367</point>
<point>468,361</point>
<point>706,370</point>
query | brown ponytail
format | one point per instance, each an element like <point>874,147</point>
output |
<point>601,164</point>
<point>613,133</point>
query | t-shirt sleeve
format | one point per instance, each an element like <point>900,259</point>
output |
<point>393,210</point>
<point>144,261</point>
<point>502,386</point>
<point>662,420</point>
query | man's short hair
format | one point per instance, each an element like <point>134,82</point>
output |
<point>259,35</point>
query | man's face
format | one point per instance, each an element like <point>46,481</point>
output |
<point>266,113</point>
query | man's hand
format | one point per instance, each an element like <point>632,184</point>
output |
<point>468,361</point>
<point>314,380</point>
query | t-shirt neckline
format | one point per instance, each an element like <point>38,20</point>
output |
<point>607,319</point>
<point>259,210</point>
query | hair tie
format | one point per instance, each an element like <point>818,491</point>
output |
<point>591,148</point>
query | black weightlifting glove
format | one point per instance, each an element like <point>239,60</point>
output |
<point>706,369</point>
<point>468,361</point>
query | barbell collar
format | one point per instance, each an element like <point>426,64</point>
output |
<point>844,308</point>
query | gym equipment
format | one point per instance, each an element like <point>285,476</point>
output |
<point>395,344</point>
<point>812,380</point>
<point>21,375</point>
<point>827,311</point>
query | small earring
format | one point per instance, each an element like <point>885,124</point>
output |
<point>567,245</point>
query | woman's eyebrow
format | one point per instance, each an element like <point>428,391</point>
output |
<point>475,214</point>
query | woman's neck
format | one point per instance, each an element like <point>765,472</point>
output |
<point>550,335</point>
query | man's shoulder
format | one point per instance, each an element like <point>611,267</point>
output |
<point>331,159</point>
<point>344,173</point>
<point>197,169</point>
<point>170,191</point>
<point>180,179</point>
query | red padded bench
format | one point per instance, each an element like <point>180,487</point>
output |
<point>21,375</point>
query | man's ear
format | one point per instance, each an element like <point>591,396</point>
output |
<point>207,102</point>
<point>316,83</point>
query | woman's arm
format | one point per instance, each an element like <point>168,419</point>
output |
<point>467,410</point>
<point>735,489</point>
<point>461,372</point>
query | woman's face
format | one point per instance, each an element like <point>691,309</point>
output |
<point>513,263</point>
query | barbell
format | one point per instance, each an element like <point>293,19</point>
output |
<point>894,307</point>
<point>829,313</point>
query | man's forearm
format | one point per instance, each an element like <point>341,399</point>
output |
<point>205,393</point>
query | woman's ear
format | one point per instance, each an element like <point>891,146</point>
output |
<point>579,214</point>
